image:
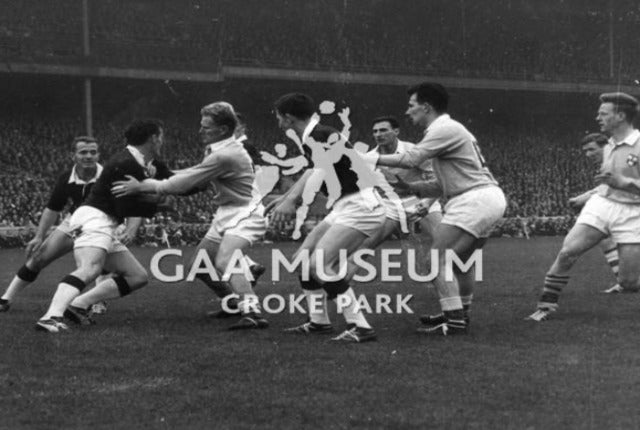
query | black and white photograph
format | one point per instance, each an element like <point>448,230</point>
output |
<point>319,214</point>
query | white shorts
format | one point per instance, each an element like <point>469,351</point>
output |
<point>90,227</point>
<point>619,220</point>
<point>359,212</point>
<point>247,222</point>
<point>65,227</point>
<point>414,208</point>
<point>476,211</point>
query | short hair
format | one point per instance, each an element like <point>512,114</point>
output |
<point>83,139</point>
<point>434,94</point>
<point>222,114</point>
<point>140,130</point>
<point>622,102</point>
<point>298,105</point>
<point>599,138</point>
<point>392,120</point>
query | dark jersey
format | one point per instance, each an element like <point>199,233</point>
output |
<point>68,187</point>
<point>253,152</point>
<point>118,166</point>
<point>347,178</point>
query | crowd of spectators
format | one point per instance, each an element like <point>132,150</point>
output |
<point>505,39</point>
<point>538,170</point>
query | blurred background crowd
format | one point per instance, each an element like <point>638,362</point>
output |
<point>530,141</point>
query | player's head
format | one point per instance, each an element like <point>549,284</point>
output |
<point>593,146</point>
<point>293,106</point>
<point>218,122</point>
<point>616,109</point>
<point>385,130</point>
<point>148,132</point>
<point>427,101</point>
<point>85,152</point>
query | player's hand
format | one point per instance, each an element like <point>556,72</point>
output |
<point>125,188</point>
<point>33,246</point>
<point>612,179</point>
<point>402,185</point>
<point>284,211</point>
<point>272,204</point>
<point>126,237</point>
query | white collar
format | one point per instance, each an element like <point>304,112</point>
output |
<point>309,128</point>
<point>218,145</point>
<point>443,117</point>
<point>242,138</point>
<point>630,140</point>
<point>75,179</point>
<point>138,156</point>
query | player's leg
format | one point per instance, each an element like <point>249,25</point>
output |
<point>89,263</point>
<point>450,239</point>
<point>56,245</point>
<point>610,250</point>
<point>372,242</point>
<point>468,217</point>
<point>130,276</point>
<point>629,275</point>
<point>327,261</point>
<point>316,297</point>
<point>580,239</point>
<point>209,247</point>
<point>230,253</point>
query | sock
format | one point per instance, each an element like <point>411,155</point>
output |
<point>351,311</point>
<point>612,258</point>
<point>107,289</point>
<point>553,285</point>
<point>23,278</point>
<point>466,303</point>
<point>14,288</point>
<point>317,305</point>
<point>450,303</point>
<point>61,299</point>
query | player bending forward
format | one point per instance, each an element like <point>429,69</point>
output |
<point>73,185</point>
<point>94,224</point>
<point>239,219</point>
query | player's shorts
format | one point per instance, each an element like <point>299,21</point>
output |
<point>65,227</point>
<point>90,227</point>
<point>619,220</point>
<point>476,211</point>
<point>414,208</point>
<point>359,212</point>
<point>247,222</point>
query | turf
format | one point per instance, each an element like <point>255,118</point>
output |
<point>155,361</point>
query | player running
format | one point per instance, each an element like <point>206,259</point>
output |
<point>338,171</point>
<point>94,225</point>
<point>593,146</point>
<point>475,201</point>
<point>73,185</point>
<point>614,211</point>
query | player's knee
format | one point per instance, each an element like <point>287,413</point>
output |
<point>138,279</point>
<point>567,256</point>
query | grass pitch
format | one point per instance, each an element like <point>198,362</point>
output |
<point>155,361</point>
